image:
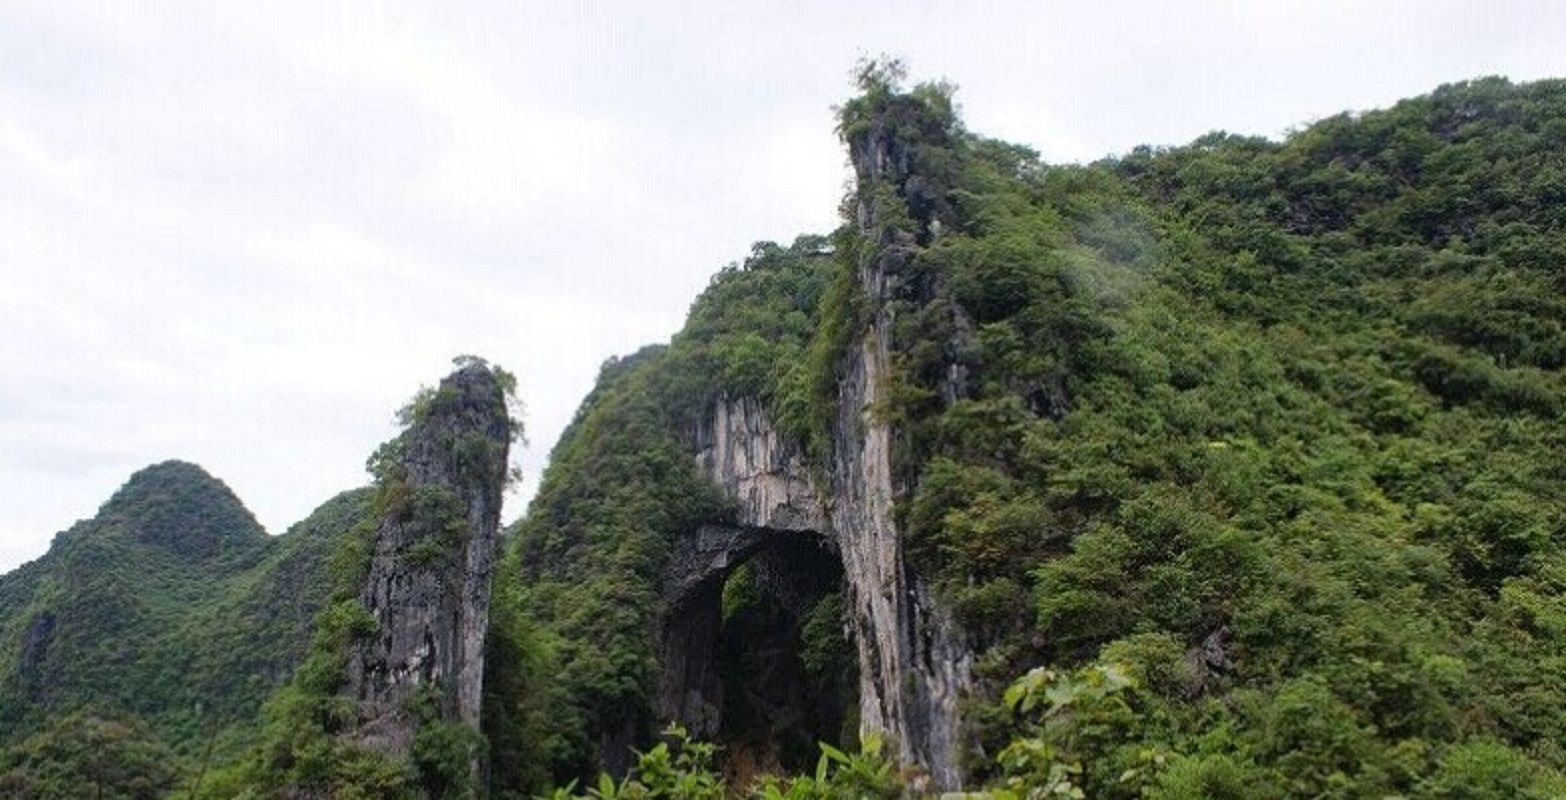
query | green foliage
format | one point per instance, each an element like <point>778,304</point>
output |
<point>1484,769</point>
<point>622,486</point>
<point>594,542</point>
<point>443,750</point>
<point>1072,724</point>
<point>840,775</point>
<point>1273,427</point>
<point>1271,420</point>
<point>302,746</point>
<point>1272,424</point>
<point>808,404</point>
<point>682,769</point>
<point>171,606</point>
<point>750,334</point>
<point>740,593</point>
<point>84,755</point>
<point>527,717</point>
<point>824,648</point>
<point>298,742</point>
<point>473,455</point>
<point>436,511</point>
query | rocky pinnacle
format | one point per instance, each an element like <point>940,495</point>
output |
<point>428,583</point>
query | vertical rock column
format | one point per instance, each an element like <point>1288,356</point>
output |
<point>429,578</point>
<point>914,662</point>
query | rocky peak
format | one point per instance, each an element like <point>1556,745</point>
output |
<point>428,584</point>
<point>893,142</point>
<point>915,664</point>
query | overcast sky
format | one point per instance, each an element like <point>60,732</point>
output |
<point>242,234</point>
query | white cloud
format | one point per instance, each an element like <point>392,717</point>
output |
<point>243,233</point>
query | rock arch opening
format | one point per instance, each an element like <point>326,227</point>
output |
<point>756,654</point>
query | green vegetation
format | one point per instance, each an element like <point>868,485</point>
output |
<point>530,724</point>
<point>170,606</point>
<point>83,755</point>
<point>681,769</point>
<point>1282,420</point>
<point>1276,425</point>
<point>1244,454</point>
<point>173,607</point>
<point>622,485</point>
<point>590,551</point>
<point>298,746</point>
<point>305,744</point>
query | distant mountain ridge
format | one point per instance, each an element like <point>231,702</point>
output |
<point>179,506</point>
<point>171,604</point>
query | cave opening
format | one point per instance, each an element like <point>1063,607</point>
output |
<point>758,658</point>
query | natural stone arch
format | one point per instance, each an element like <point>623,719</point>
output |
<point>794,570</point>
<point>913,662</point>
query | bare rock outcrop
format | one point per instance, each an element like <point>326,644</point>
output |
<point>741,452</point>
<point>915,663</point>
<point>428,584</point>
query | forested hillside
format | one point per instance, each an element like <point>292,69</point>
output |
<point>1272,429</point>
<point>1227,470</point>
<point>163,622</point>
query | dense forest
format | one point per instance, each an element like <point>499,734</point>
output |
<point>148,637</point>
<point>1268,430</point>
<point>1236,464</point>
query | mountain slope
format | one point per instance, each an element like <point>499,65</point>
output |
<point>1245,455</point>
<point>171,604</point>
<point>1273,428</point>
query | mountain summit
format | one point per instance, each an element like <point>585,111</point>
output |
<point>181,507</point>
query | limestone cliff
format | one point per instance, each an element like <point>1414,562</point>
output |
<point>628,551</point>
<point>429,578</point>
<point>742,452</point>
<point>778,522</point>
<point>915,664</point>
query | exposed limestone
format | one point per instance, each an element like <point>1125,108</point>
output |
<point>738,450</point>
<point>915,664</point>
<point>792,569</point>
<point>429,578</point>
<point>711,551</point>
<point>742,453</point>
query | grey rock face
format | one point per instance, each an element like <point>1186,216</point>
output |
<point>35,644</point>
<point>776,504</point>
<point>742,453</point>
<point>429,578</point>
<point>915,663</point>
